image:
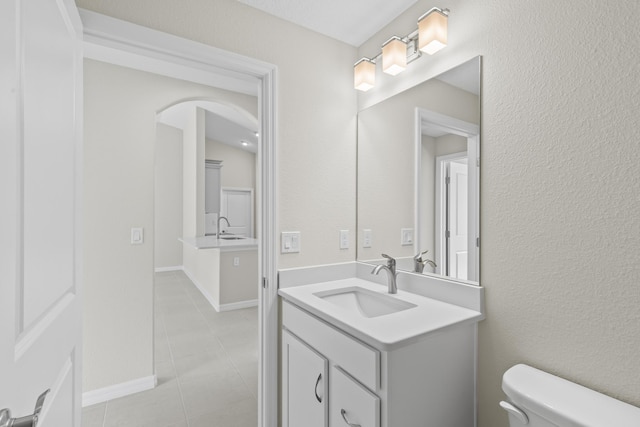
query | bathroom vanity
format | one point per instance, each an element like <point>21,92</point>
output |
<point>354,355</point>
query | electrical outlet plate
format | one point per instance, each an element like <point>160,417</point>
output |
<point>344,239</point>
<point>367,238</point>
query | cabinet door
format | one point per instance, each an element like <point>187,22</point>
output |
<point>351,404</point>
<point>304,400</point>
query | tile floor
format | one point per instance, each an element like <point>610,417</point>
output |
<point>206,363</point>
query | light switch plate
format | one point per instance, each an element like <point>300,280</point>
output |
<point>137,236</point>
<point>344,239</point>
<point>406,236</point>
<point>290,242</point>
<point>367,238</point>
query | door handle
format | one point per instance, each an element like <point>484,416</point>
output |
<point>28,421</point>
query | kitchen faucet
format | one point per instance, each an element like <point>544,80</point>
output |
<point>219,232</point>
<point>390,268</point>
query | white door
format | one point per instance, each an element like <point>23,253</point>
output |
<point>304,382</point>
<point>458,220</point>
<point>40,159</point>
<point>237,207</point>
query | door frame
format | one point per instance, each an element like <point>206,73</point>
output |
<point>122,43</point>
<point>426,118</point>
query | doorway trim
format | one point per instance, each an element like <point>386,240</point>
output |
<point>129,45</point>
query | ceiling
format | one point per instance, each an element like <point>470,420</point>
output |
<point>350,21</point>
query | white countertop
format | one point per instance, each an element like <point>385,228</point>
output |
<point>210,242</point>
<point>384,332</point>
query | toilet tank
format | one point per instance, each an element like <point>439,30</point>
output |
<point>539,399</point>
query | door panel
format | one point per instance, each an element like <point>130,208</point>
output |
<point>237,207</point>
<point>40,263</point>
<point>458,220</point>
<point>48,155</point>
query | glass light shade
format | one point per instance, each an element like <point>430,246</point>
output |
<point>394,56</point>
<point>432,32</point>
<point>364,74</point>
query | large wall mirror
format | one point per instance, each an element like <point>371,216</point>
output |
<point>418,176</point>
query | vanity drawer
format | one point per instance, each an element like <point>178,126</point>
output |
<point>350,403</point>
<point>358,359</point>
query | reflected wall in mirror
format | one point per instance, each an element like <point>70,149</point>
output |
<point>418,176</point>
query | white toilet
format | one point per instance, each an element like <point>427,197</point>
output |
<point>539,399</point>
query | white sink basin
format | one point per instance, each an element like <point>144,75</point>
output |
<point>364,301</point>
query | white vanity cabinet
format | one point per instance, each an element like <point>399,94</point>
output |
<point>332,379</point>
<point>305,376</point>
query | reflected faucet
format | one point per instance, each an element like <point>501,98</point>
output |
<point>219,232</point>
<point>419,263</point>
<point>390,268</point>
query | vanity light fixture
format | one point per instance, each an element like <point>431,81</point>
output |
<point>397,52</point>
<point>432,30</point>
<point>394,56</point>
<point>364,76</point>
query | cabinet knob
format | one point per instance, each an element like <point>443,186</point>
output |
<point>344,417</point>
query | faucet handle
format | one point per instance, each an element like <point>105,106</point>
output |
<point>419,255</point>
<point>390,260</point>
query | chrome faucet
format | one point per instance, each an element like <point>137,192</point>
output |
<point>228,225</point>
<point>419,263</point>
<point>390,268</point>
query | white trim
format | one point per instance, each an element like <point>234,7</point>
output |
<point>165,269</point>
<point>239,305</point>
<point>119,42</point>
<point>202,290</point>
<point>119,390</point>
<point>221,307</point>
<point>122,43</point>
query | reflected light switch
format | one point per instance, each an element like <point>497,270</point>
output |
<point>406,238</point>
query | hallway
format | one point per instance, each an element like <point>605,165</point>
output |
<point>206,363</point>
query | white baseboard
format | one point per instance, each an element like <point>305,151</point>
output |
<point>220,307</point>
<point>204,293</point>
<point>164,269</point>
<point>238,305</point>
<point>118,390</point>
